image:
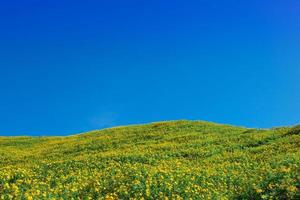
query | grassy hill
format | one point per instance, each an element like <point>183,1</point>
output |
<point>166,160</point>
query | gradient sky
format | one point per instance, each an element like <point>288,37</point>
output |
<point>73,66</point>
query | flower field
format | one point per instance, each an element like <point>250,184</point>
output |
<point>166,160</point>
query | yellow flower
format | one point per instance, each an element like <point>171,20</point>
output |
<point>259,190</point>
<point>292,189</point>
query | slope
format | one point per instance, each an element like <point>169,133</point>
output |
<point>164,160</point>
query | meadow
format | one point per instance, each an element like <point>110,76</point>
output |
<point>164,160</point>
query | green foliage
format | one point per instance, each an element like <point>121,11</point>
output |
<point>165,160</point>
<point>294,131</point>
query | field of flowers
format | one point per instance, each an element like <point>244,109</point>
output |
<point>166,160</point>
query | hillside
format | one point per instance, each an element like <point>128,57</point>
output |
<point>165,160</point>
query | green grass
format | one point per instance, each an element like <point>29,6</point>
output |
<point>165,160</point>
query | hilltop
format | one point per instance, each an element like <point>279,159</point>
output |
<point>163,160</point>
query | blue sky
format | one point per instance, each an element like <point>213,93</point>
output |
<point>73,66</point>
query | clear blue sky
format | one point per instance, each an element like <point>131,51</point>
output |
<point>73,66</point>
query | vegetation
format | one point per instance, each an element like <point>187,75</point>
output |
<point>166,160</point>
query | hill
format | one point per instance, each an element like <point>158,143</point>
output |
<point>165,160</point>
